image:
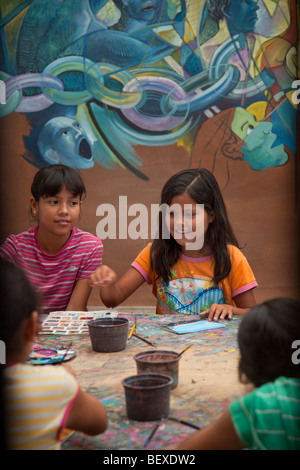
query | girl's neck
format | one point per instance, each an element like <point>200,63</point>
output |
<point>51,244</point>
<point>19,355</point>
<point>204,251</point>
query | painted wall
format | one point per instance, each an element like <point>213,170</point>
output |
<point>132,91</point>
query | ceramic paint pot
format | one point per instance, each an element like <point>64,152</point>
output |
<point>159,362</point>
<point>147,396</point>
<point>108,334</point>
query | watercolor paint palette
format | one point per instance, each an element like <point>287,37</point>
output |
<point>42,355</point>
<point>72,323</point>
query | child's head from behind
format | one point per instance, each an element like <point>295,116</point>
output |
<point>51,179</point>
<point>18,301</point>
<point>265,337</point>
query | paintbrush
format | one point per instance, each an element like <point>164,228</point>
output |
<point>188,347</point>
<point>152,434</point>
<point>65,354</point>
<point>143,339</point>
<point>181,421</point>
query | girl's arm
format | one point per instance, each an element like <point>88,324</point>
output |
<point>112,291</point>
<point>243,302</point>
<point>80,295</point>
<point>87,415</point>
<point>219,435</point>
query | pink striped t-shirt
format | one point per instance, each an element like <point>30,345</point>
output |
<point>54,276</point>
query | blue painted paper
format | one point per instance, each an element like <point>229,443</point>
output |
<point>193,327</point>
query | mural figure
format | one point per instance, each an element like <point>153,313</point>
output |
<point>259,149</point>
<point>275,133</point>
<point>240,16</point>
<point>62,140</point>
<point>98,78</point>
<point>236,134</point>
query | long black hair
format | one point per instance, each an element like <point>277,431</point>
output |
<point>266,336</point>
<point>201,185</point>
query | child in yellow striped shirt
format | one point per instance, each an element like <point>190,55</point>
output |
<point>39,400</point>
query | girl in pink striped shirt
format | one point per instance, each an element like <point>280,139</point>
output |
<point>57,257</point>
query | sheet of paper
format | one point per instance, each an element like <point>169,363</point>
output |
<point>195,326</point>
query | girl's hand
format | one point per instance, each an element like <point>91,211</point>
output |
<point>218,311</point>
<point>243,302</point>
<point>103,276</point>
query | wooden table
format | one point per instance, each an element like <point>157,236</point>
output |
<point>208,382</point>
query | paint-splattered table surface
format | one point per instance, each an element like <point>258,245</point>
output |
<point>208,381</point>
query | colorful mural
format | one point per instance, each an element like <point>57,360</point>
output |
<point>98,78</point>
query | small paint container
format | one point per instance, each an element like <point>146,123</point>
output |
<point>159,362</point>
<point>147,396</point>
<point>108,334</point>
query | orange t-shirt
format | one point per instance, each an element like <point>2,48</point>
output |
<point>191,289</point>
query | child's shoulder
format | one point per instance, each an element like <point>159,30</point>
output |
<point>46,381</point>
<point>31,231</point>
<point>143,255</point>
<point>146,250</point>
<point>283,383</point>
<point>235,252</point>
<point>280,388</point>
<point>25,236</point>
<point>80,236</point>
<point>26,369</point>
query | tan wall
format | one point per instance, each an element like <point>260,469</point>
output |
<point>261,205</point>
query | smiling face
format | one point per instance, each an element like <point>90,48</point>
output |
<point>187,222</point>
<point>57,215</point>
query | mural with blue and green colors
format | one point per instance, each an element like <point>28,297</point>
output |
<point>96,79</point>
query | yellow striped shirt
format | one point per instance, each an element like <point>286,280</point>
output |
<point>37,402</point>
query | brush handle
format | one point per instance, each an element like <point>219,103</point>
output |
<point>143,339</point>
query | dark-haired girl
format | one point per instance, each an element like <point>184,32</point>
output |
<point>39,400</point>
<point>268,418</point>
<point>194,265</point>
<point>57,257</point>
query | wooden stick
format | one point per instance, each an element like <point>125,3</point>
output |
<point>152,434</point>
<point>181,421</point>
<point>185,349</point>
<point>143,339</point>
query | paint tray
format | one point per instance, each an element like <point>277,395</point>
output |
<point>72,322</point>
<point>43,355</point>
